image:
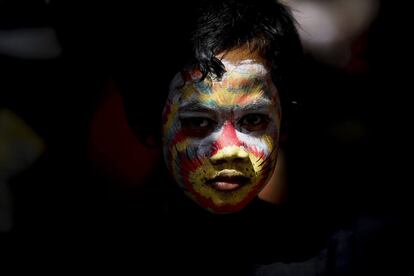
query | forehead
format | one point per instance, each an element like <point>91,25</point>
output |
<point>246,68</point>
<point>244,82</point>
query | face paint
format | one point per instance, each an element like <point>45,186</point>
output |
<point>221,136</point>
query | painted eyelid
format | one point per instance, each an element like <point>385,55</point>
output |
<point>244,112</point>
<point>261,108</point>
<point>265,119</point>
<point>262,115</point>
<point>211,122</point>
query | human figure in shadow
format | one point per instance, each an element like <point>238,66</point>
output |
<point>221,97</point>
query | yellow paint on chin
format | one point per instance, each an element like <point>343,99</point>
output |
<point>199,177</point>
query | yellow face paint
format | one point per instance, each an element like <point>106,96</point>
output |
<point>221,136</point>
<point>249,169</point>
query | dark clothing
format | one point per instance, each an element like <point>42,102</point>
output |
<point>158,230</point>
<point>265,239</point>
<point>235,244</point>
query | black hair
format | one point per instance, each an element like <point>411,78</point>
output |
<point>196,34</point>
<point>264,25</point>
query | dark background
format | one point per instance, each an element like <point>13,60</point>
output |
<point>348,151</point>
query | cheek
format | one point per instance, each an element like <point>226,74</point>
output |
<point>191,148</point>
<point>261,146</point>
<point>186,155</point>
<point>208,146</point>
<point>169,118</point>
<point>262,151</point>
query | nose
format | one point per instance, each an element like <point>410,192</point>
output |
<point>230,154</point>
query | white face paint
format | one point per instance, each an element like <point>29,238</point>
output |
<point>220,136</point>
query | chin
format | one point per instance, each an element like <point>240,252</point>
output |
<point>225,202</point>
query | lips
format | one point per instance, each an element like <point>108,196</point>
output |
<point>228,182</point>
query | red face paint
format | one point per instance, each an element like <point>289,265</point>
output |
<point>219,151</point>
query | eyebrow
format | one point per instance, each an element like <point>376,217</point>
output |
<point>258,105</point>
<point>195,107</point>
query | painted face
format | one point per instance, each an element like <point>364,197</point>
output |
<point>221,136</point>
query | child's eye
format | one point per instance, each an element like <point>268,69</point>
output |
<point>197,126</point>
<point>196,122</point>
<point>254,122</point>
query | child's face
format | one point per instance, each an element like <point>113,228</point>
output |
<point>221,136</point>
